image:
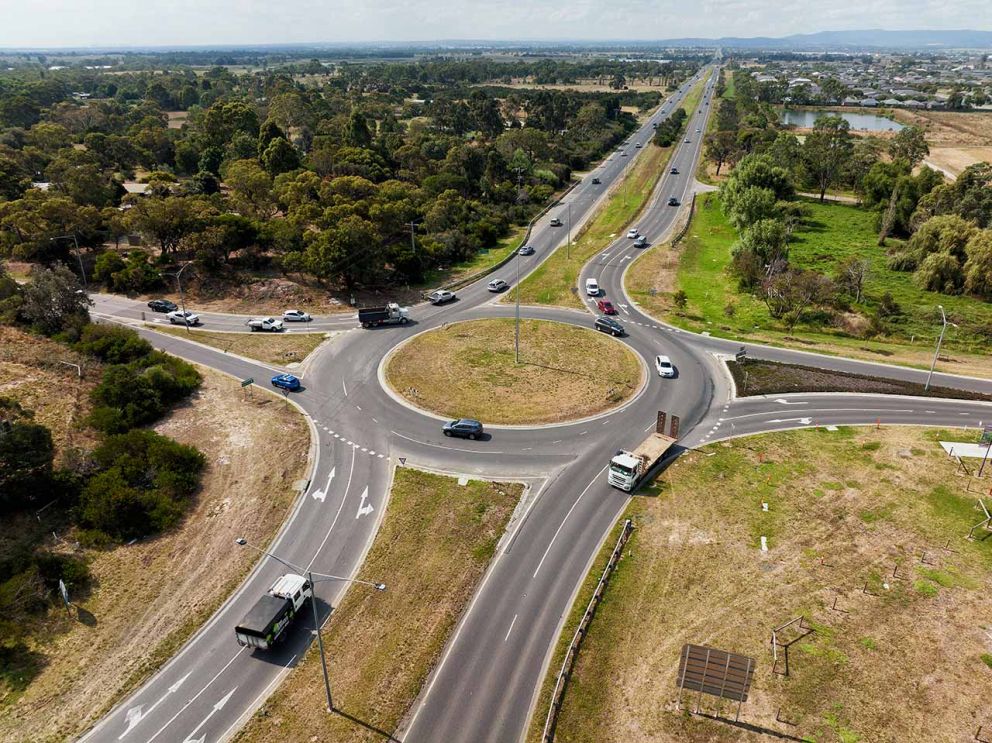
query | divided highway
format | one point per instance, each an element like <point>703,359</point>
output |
<point>484,687</point>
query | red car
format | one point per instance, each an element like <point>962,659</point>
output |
<point>606,307</point>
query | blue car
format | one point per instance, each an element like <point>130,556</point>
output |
<point>286,381</point>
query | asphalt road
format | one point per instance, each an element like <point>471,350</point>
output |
<point>484,687</point>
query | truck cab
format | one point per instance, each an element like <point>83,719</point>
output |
<point>267,620</point>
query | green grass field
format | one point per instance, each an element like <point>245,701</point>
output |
<point>832,233</point>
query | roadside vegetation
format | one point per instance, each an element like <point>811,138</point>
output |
<point>554,281</point>
<point>271,348</point>
<point>872,519</point>
<point>436,541</point>
<point>565,372</point>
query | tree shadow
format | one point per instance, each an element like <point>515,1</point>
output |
<point>372,728</point>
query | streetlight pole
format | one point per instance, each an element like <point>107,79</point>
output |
<point>313,604</point>
<point>940,339</point>
<point>182,297</point>
<point>516,341</point>
<point>79,256</point>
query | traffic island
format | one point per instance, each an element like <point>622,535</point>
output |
<point>469,370</point>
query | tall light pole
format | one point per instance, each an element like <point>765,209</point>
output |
<point>313,603</point>
<point>940,339</point>
<point>182,297</point>
<point>79,256</point>
<point>516,341</point>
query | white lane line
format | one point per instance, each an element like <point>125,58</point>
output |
<point>374,420</point>
<point>439,446</point>
<point>344,387</point>
<point>197,695</point>
<point>344,497</point>
<point>827,411</point>
<point>359,407</point>
<point>511,628</point>
<point>583,433</point>
<point>562,525</point>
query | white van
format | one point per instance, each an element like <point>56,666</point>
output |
<point>592,287</point>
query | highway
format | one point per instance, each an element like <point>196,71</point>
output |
<point>484,687</point>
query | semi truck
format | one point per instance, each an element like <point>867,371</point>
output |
<point>266,622</point>
<point>392,313</point>
<point>629,469</point>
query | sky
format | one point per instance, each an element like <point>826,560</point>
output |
<point>116,23</point>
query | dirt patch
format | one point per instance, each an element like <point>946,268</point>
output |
<point>432,549</point>
<point>185,574</point>
<point>271,348</point>
<point>849,510</point>
<point>950,128</point>
<point>952,160</point>
<point>565,372</point>
<point>769,378</point>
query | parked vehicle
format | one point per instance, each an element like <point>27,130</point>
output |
<point>628,469</point>
<point>163,305</point>
<point>592,287</point>
<point>673,201</point>
<point>606,307</point>
<point>266,622</point>
<point>390,314</point>
<point>464,428</point>
<point>664,366</point>
<point>441,296</point>
<point>296,316</point>
<point>286,382</point>
<point>526,250</point>
<point>606,324</point>
<point>181,317</point>
<point>555,222</point>
<point>498,285</point>
<point>266,325</point>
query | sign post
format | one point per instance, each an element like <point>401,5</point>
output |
<point>246,385</point>
<point>987,440</point>
<point>64,593</point>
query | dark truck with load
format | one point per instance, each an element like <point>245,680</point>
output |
<point>267,620</point>
<point>392,313</point>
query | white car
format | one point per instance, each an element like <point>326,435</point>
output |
<point>181,317</point>
<point>592,287</point>
<point>266,325</point>
<point>497,285</point>
<point>555,222</point>
<point>632,234</point>
<point>638,145</point>
<point>664,366</point>
<point>441,296</point>
<point>296,316</point>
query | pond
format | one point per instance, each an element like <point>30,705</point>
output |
<point>863,122</point>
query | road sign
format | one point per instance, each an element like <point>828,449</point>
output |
<point>986,434</point>
<point>246,382</point>
<point>64,592</point>
<point>740,355</point>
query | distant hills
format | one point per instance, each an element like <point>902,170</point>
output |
<point>850,40</point>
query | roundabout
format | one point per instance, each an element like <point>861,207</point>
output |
<point>469,370</point>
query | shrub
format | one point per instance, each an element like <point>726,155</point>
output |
<point>113,343</point>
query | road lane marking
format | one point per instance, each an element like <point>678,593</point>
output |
<point>135,715</point>
<point>511,628</point>
<point>335,521</point>
<point>321,494</point>
<point>363,508</point>
<point>216,708</point>
<point>344,387</point>
<point>562,524</point>
<point>441,446</point>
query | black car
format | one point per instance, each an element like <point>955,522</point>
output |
<point>673,201</point>
<point>609,325</point>
<point>596,181</point>
<point>465,428</point>
<point>162,305</point>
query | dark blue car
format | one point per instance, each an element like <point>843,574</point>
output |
<point>286,382</point>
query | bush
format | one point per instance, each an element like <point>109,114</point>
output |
<point>113,344</point>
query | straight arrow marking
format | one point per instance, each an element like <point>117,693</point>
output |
<point>786,402</point>
<point>804,421</point>
<point>217,708</point>
<point>135,715</point>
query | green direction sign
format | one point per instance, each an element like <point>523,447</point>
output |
<point>246,382</point>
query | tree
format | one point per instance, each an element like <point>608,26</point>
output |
<point>280,157</point>
<point>852,272</point>
<point>910,145</point>
<point>168,220</point>
<point>358,133</point>
<point>978,267</point>
<point>26,454</point>
<point>751,205</point>
<point>53,300</point>
<point>78,175</point>
<point>826,152</point>
<point>348,250</point>
<point>223,120</point>
<point>618,81</point>
<point>940,272</point>
<point>789,294</point>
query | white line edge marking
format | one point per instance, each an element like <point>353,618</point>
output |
<point>514,621</point>
<point>562,524</point>
<point>351,471</point>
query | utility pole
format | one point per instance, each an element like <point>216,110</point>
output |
<point>940,339</point>
<point>413,243</point>
<point>516,342</point>
<point>79,256</point>
<point>182,297</point>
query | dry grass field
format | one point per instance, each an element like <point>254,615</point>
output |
<point>566,372</point>
<point>270,348</point>
<point>866,539</point>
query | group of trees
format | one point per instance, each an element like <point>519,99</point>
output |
<point>669,130</point>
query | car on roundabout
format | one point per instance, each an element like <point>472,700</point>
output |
<point>663,365</point>
<point>296,316</point>
<point>441,296</point>
<point>286,382</point>
<point>606,324</point>
<point>463,428</point>
<point>498,285</point>
<point>162,305</point>
<point>606,307</point>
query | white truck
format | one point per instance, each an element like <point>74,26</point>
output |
<point>628,469</point>
<point>267,620</point>
<point>266,325</point>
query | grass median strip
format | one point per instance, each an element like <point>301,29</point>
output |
<point>270,348</point>
<point>468,370</point>
<point>858,515</point>
<point>432,549</point>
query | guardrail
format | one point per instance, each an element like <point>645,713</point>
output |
<point>685,228</point>
<point>568,664</point>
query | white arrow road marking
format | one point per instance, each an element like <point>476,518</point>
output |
<point>217,708</point>
<point>804,421</point>
<point>363,508</point>
<point>786,402</point>
<point>135,715</point>
<point>321,494</point>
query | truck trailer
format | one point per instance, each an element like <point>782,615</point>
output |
<point>391,313</point>
<point>266,622</point>
<point>629,469</point>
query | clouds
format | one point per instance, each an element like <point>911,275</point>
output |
<point>200,22</point>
